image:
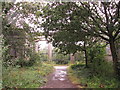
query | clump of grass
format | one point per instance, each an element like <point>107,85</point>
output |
<point>26,77</point>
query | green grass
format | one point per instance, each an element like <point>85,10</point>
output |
<point>82,76</point>
<point>29,77</point>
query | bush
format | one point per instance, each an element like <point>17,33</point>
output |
<point>98,65</point>
<point>103,68</point>
<point>60,58</point>
<point>77,66</point>
<point>22,62</point>
<point>100,79</point>
<point>34,58</point>
<point>96,52</point>
<point>100,72</point>
<point>43,57</point>
<point>58,61</point>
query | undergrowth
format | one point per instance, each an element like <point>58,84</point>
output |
<point>26,77</point>
<point>87,77</point>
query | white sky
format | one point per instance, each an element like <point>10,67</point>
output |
<point>42,44</point>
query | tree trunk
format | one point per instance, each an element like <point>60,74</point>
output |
<point>15,53</point>
<point>86,59</point>
<point>114,57</point>
<point>86,56</point>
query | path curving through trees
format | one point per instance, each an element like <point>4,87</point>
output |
<point>59,79</point>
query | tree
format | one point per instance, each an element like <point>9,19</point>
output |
<point>104,21</point>
<point>18,35</point>
<point>64,20</point>
<point>62,26</point>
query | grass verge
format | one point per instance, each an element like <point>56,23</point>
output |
<point>26,77</point>
<point>84,79</point>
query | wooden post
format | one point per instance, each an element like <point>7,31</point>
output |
<point>72,58</point>
<point>49,51</point>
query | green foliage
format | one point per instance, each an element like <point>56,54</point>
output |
<point>19,45</point>
<point>96,52</point>
<point>60,58</point>
<point>43,55</point>
<point>68,23</point>
<point>77,66</point>
<point>62,25</point>
<point>19,40</point>
<point>29,60</point>
<point>24,63</point>
<point>100,73</point>
<point>98,65</point>
<point>57,61</point>
<point>101,68</point>
<point>6,6</point>
<point>29,77</point>
<point>86,78</point>
<point>35,57</point>
<point>79,56</point>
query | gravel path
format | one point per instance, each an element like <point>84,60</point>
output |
<point>59,79</point>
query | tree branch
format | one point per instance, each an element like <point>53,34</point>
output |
<point>100,28</point>
<point>103,38</point>
<point>117,38</point>
<point>117,12</point>
<point>116,34</point>
<point>106,16</point>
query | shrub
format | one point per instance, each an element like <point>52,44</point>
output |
<point>22,62</point>
<point>34,58</point>
<point>58,61</point>
<point>60,58</point>
<point>98,65</point>
<point>77,66</point>
<point>101,67</point>
<point>98,51</point>
<point>100,72</point>
<point>87,77</point>
<point>43,57</point>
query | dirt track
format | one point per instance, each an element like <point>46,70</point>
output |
<point>59,79</point>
